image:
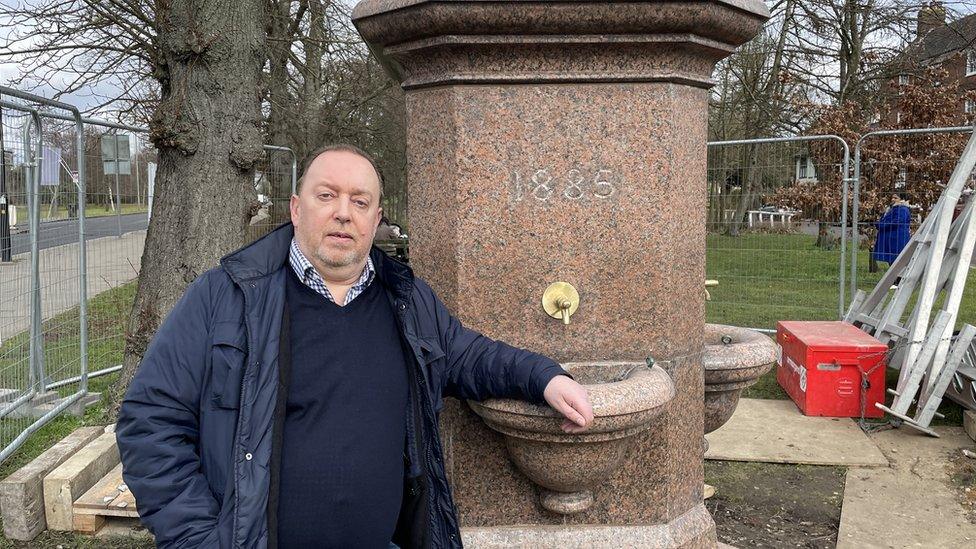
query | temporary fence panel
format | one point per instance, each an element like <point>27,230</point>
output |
<point>18,342</point>
<point>775,213</point>
<point>43,306</point>
<point>275,179</point>
<point>117,220</point>
<point>911,164</point>
<point>64,306</point>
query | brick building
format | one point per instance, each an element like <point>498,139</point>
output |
<point>950,45</point>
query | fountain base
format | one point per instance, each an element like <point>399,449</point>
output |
<point>693,529</point>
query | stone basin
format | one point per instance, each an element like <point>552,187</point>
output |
<point>626,397</point>
<point>734,359</point>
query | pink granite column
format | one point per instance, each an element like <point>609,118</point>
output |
<point>565,141</point>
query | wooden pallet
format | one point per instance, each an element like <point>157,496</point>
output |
<point>108,498</point>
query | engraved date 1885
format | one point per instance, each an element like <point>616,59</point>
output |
<point>543,186</point>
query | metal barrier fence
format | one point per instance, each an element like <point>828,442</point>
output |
<point>64,307</point>
<point>778,233</point>
<point>916,165</point>
<point>775,240</point>
<point>32,350</point>
<point>275,180</point>
<point>913,163</point>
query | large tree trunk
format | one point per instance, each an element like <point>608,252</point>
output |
<point>824,240</point>
<point>747,192</point>
<point>316,44</point>
<point>281,32</point>
<point>207,131</point>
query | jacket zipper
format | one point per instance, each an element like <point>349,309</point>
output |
<point>240,419</point>
<point>422,444</point>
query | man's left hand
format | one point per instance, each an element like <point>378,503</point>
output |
<point>570,399</point>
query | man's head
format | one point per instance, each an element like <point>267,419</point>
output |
<point>337,209</point>
<point>896,197</point>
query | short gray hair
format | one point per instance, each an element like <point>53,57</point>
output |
<point>338,147</point>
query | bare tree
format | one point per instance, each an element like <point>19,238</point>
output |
<point>846,46</point>
<point>813,54</point>
<point>207,129</point>
<point>84,46</point>
<point>213,79</point>
<point>319,82</point>
<point>756,97</point>
<point>757,93</point>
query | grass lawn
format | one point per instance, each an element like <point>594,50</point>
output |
<point>107,315</point>
<point>764,278</point>
<point>69,540</point>
<point>91,210</point>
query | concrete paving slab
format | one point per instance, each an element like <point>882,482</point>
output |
<point>77,409</point>
<point>911,503</point>
<point>775,431</point>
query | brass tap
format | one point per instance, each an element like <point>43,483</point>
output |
<point>709,284</point>
<point>560,300</point>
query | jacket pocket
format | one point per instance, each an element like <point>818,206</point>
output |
<point>228,355</point>
<point>412,529</point>
<point>431,350</point>
<point>433,363</point>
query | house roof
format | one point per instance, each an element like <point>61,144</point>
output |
<point>954,36</point>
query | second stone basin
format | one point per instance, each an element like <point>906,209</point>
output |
<point>734,359</point>
<point>626,397</point>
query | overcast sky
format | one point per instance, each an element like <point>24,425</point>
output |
<point>88,98</point>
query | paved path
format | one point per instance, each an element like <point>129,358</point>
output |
<point>112,261</point>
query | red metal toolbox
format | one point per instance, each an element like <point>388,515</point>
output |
<point>819,364</point>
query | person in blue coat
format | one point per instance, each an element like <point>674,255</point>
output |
<point>290,398</point>
<point>894,230</point>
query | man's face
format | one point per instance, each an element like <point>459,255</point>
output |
<point>337,210</point>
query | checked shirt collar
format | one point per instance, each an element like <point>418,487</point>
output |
<point>311,278</point>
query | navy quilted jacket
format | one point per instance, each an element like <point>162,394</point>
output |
<point>196,427</point>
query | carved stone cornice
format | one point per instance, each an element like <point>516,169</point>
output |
<point>443,42</point>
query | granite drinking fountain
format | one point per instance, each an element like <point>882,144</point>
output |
<point>734,360</point>
<point>564,142</point>
<point>625,396</point>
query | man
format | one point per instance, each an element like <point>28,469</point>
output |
<point>386,230</point>
<point>290,397</point>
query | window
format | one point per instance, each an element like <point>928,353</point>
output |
<point>904,80</point>
<point>898,117</point>
<point>805,170</point>
<point>902,180</point>
<point>970,106</point>
<point>970,62</point>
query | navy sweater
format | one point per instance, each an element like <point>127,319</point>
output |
<point>342,465</point>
